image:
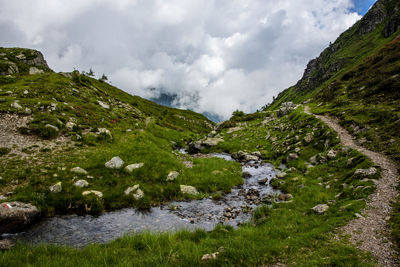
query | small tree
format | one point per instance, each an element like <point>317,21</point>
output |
<point>103,78</point>
<point>90,73</point>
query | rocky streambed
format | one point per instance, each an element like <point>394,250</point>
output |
<point>233,208</point>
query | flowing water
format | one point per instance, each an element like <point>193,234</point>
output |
<point>233,208</point>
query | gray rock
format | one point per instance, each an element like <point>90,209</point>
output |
<point>281,175</point>
<point>6,244</point>
<point>331,154</point>
<point>70,125</point>
<point>131,167</point>
<point>34,70</point>
<point>81,183</point>
<point>56,188</point>
<point>97,193</point>
<point>365,172</point>
<point>52,127</point>
<point>308,138</point>
<point>16,105</point>
<point>15,216</point>
<point>292,156</point>
<point>114,163</point>
<point>137,193</point>
<point>190,190</point>
<point>285,109</point>
<point>28,111</point>
<point>172,176</point>
<point>79,170</point>
<point>103,105</point>
<point>320,208</point>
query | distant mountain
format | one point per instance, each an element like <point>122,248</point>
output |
<point>168,100</point>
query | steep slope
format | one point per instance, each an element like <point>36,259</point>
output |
<point>377,28</point>
<point>52,123</point>
<point>357,81</point>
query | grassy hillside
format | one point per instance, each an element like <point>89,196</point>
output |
<point>288,232</point>
<point>53,122</point>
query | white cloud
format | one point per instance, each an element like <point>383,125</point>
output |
<point>216,55</point>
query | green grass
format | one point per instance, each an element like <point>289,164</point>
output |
<point>289,233</point>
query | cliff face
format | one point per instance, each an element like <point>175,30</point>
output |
<point>381,22</point>
<point>21,61</point>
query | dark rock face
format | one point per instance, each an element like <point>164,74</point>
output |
<point>15,216</point>
<point>37,61</point>
<point>392,26</point>
<point>375,16</point>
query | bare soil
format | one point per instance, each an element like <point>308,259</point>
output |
<point>371,232</point>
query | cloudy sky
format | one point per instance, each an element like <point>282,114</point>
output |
<point>216,55</point>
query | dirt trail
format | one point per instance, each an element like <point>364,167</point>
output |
<point>371,233</point>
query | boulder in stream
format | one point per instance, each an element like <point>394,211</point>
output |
<point>15,216</point>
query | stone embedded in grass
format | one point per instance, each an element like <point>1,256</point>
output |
<point>103,105</point>
<point>16,105</point>
<point>365,172</point>
<point>6,244</point>
<point>28,111</point>
<point>281,175</point>
<point>70,125</point>
<point>292,156</point>
<point>331,154</point>
<point>104,132</point>
<point>172,176</point>
<point>132,167</point>
<point>79,170</point>
<point>26,92</point>
<point>52,128</point>
<point>137,192</point>
<point>34,70</point>
<point>114,163</point>
<point>209,257</point>
<point>309,137</point>
<point>81,183</point>
<point>56,188</point>
<point>320,208</point>
<point>285,197</point>
<point>97,193</point>
<point>190,190</point>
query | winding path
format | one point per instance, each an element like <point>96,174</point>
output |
<point>370,232</point>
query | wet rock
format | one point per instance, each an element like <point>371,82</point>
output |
<point>172,176</point>
<point>56,188</point>
<point>131,167</point>
<point>15,216</point>
<point>81,183</point>
<point>190,190</point>
<point>257,154</point>
<point>285,197</point>
<point>365,172</point>
<point>331,154</point>
<point>79,170</point>
<point>97,193</point>
<point>320,208</point>
<point>280,175</point>
<point>114,163</point>
<point>263,181</point>
<point>244,156</point>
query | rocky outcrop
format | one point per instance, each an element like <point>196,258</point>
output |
<point>285,109</point>
<point>195,147</point>
<point>114,163</point>
<point>15,216</point>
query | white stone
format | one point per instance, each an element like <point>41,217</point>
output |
<point>320,208</point>
<point>79,170</point>
<point>97,193</point>
<point>34,70</point>
<point>190,190</point>
<point>103,105</point>
<point>114,163</point>
<point>16,105</point>
<point>70,125</point>
<point>81,183</point>
<point>56,188</point>
<point>172,176</point>
<point>132,167</point>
